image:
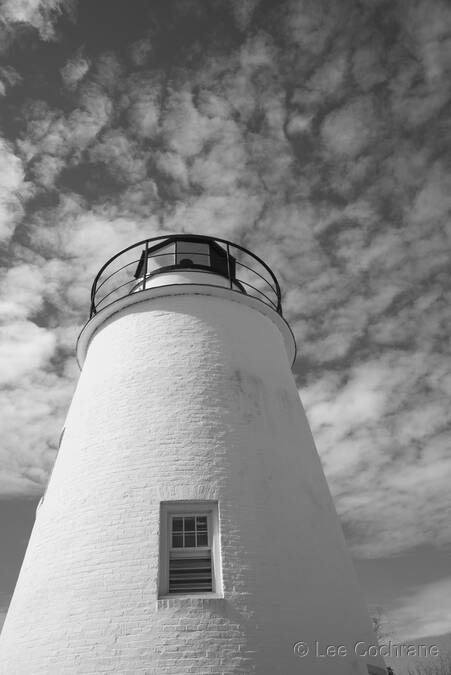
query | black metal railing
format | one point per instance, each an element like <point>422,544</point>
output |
<point>130,270</point>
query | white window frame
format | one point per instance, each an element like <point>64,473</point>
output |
<point>192,508</point>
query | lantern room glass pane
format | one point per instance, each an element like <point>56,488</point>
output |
<point>190,253</point>
<point>162,257</point>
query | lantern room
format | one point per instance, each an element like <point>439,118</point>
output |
<point>185,252</point>
<point>184,264</point>
<point>186,259</point>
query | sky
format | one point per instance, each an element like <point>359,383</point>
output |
<point>316,133</point>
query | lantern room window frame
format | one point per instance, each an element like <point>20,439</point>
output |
<point>221,262</point>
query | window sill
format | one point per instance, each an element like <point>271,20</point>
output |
<point>193,600</point>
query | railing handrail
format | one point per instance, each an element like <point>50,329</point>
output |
<point>187,237</point>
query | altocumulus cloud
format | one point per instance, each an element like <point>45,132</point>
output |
<point>12,188</point>
<point>423,612</point>
<point>315,133</point>
<point>40,14</point>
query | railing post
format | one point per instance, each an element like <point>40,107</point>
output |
<point>279,297</point>
<point>229,272</point>
<point>93,301</point>
<point>145,264</point>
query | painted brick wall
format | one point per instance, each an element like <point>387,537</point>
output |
<point>185,397</point>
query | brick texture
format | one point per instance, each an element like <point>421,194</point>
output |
<point>185,397</point>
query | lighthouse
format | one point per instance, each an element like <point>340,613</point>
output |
<point>187,526</point>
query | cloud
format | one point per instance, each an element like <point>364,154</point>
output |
<point>75,70</point>
<point>126,161</point>
<point>142,100</point>
<point>40,14</point>
<point>310,23</point>
<point>314,133</point>
<point>349,130</point>
<point>424,612</point>
<point>299,124</point>
<point>13,189</point>
<point>21,292</point>
<point>368,66</point>
<point>24,347</point>
<point>382,436</point>
<point>433,201</point>
<point>53,140</point>
<point>173,166</point>
<point>428,25</point>
<point>243,11</point>
<point>327,81</point>
<point>34,413</point>
<point>185,130</point>
<point>9,77</point>
<point>140,51</point>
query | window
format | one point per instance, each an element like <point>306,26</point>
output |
<point>190,253</point>
<point>189,548</point>
<point>163,257</point>
<point>190,554</point>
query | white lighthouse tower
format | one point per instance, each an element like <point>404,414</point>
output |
<point>187,526</point>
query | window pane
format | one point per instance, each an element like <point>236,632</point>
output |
<point>219,262</point>
<point>202,539</point>
<point>189,525</point>
<point>194,252</point>
<point>177,540</point>
<point>177,524</point>
<point>190,540</point>
<point>162,257</point>
<point>202,523</point>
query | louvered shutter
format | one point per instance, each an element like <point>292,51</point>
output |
<point>190,572</point>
